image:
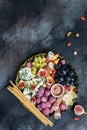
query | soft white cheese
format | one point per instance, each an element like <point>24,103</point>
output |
<point>28,96</point>
<point>26,91</point>
<point>50,54</point>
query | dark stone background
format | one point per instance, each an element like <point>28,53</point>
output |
<point>31,26</point>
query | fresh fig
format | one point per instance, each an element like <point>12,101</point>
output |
<point>79,110</point>
<point>42,73</point>
<point>68,89</point>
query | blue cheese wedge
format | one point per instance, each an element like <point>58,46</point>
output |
<point>25,74</point>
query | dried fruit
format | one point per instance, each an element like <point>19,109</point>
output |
<point>76,118</point>
<point>68,89</point>
<point>69,34</point>
<point>79,110</point>
<point>68,44</point>
<point>55,61</point>
<point>55,57</point>
<point>75,90</point>
<point>82,18</point>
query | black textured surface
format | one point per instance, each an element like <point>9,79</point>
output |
<point>34,26</point>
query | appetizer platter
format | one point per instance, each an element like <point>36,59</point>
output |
<point>49,81</point>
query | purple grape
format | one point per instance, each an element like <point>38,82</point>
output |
<point>38,100</point>
<point>29,64</point>
<point>61,79</point>
<point>47,92</point>
<point>43,105</point>
<point>46,112</point>
<point>52,100</point>
<point>51,110</point>
<point>42,89</point>
<point>63,73</point>
<point>58,66</point>
<point>71,73</point>
<point>72,79</point>
<point>48,104</point>
<point>39,94</point>
<point>63,62</point>
<point>67,84</point>
<point>39,107</point>
<point>44,99</point>
<point>68,78</point>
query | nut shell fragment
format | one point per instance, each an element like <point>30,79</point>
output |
<point>68,44</point>
<point>82,18</point>
<point>76,118</point>
<point>69,34</point>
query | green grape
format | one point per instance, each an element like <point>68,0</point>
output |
<point>33,63</point>
<point>34,73</point>
<point>35,69</point>
<point>41,61</point>
<point>41,65</point>
<point>37,65</point>
<point>36,59</point>
<point>32,68</point>
<point>44,63</point>
<point>44,59</point>
<point>39,58</point>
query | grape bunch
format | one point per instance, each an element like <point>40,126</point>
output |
<point>65,74</point>
<point>44,101</point>
<point>38,62</point>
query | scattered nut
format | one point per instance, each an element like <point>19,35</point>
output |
<point>75,52</point>
<point>77,35</point>
<point>75,90</point>
<point>68,44</point>
<point>76,118</point>
<point>69,34</point>
<point>82,18</point>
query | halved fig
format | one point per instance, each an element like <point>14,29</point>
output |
<point>21,84</point>
<point>79,110</point>
<point>42,73</point>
